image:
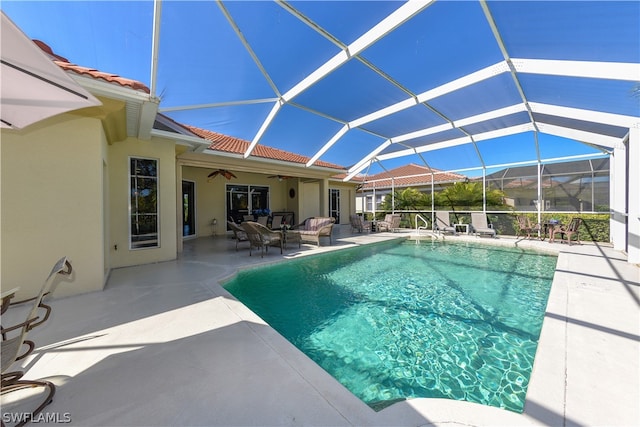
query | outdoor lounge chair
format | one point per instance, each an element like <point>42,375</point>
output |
<point>261,237</point>
<point>238,233</point>
<point>311,229</point>
<point>443,223</point>
<point>480,225</point>
<point>570,231</point>
<point>359,224</point>
<point>390,222</point>
<point>14,342</point>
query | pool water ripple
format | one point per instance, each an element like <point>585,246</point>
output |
<point>397,321</point>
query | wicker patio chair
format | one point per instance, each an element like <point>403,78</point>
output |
<point>359,224</point>
<point>261,237</point>
<point>238,233</point>
<point>390,223</point>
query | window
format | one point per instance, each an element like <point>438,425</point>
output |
<point>143,203</point>
<point>334,204</point>
<point>188,208</point>
<point>245,200</point>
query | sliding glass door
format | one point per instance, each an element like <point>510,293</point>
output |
<point>244,200</point>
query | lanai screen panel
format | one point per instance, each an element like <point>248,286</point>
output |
<point>361,83</point>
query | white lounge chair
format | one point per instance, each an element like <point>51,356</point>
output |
<point>480,224</point>
<point>443,223</point>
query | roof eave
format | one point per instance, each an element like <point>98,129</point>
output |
<point>196,144</point>
<point>141,108</point>
<point>302,166</point>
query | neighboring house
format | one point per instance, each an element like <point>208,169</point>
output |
<point>580,185</point>
<point>374,188</point>
<point>120,185</point>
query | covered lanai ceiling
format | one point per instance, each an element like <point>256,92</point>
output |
<point>448,84</point>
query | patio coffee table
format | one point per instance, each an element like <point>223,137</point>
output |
<point>291,236</point>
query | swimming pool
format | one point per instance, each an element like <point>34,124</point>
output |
<point>398,320</point>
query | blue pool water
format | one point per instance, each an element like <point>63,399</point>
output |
<point>399,320</point>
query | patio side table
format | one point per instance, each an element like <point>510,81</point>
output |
<point>292,236</point>
<point>460,227</point>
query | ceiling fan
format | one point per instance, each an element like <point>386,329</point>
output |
<point>222,172</point>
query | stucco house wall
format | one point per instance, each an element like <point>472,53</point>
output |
<point>118,159</point>
<point>52,204</point>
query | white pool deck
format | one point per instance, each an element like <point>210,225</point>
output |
<point>165,344</point>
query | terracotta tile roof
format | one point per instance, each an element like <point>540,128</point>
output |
<point>108,77</point>
<point>409,175</point>
<point>230,144</point>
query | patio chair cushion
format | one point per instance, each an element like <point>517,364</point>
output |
<point>313,228</point>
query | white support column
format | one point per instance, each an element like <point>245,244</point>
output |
<point>539,204</point>
<point>618,198</point>
<point>484,189</point>
<point>633,231</point>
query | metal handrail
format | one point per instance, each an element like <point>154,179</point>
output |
<point>426,223</point>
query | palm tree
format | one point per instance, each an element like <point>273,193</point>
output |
<point>468,195</point>
<point>407,199</point>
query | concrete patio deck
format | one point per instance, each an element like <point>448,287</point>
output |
<point>165,344</point>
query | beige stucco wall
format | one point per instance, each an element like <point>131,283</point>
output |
<point>310,200</point>
<point>119,154</point>
<point>52,204</point>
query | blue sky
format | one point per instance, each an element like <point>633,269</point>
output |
<point>202,60</point>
